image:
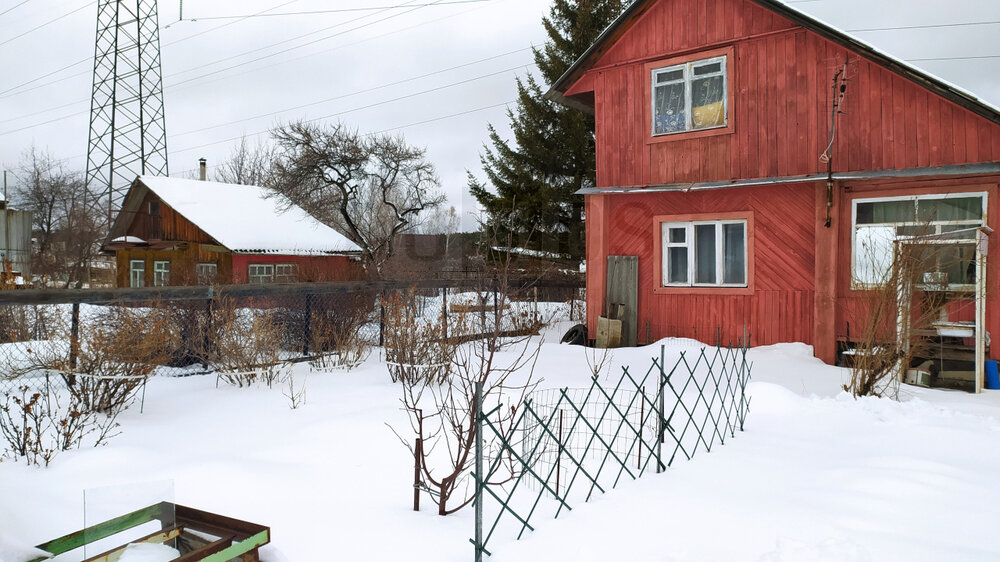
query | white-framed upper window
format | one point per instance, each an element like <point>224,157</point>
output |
<point>690,96</point>
<point>137,273</point>
<point>260,273</point>
<point>286,273</point>
<point>161,273</point>
<point>207,273</point>
<point>704,253</point>
<point>926,219</point>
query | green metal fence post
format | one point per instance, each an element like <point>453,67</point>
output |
<point>661,422</point>
<point>480,482</point>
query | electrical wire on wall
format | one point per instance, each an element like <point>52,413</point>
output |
<point>839,93</point>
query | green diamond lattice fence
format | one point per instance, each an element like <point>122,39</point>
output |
<point>567,443</point>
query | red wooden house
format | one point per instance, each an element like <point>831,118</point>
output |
<point>711,119</point>
<point>174,231</point>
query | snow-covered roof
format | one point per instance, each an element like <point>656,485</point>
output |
<point>247,218</point>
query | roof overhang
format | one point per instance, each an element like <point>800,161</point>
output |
<point>558,90</point>
<point>932,172</point>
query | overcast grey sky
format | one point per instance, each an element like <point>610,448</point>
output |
<point>436,74</point>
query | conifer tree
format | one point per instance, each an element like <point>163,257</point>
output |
<point>531,180</point>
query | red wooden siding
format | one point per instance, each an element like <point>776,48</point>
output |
<point>168,224</point>
<point>310,268</point>
<point>780,307</point>
<point>782,79</point>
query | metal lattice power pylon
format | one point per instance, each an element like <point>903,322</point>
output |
<point>127,132</point>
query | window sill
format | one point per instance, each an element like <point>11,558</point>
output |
<point>688,135</point>
<point>716,291</point>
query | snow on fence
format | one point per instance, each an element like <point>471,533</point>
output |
<point>567,443</point>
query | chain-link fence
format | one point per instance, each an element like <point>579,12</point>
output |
<point>66,354</point>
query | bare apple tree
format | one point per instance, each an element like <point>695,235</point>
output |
<point>370,187</point>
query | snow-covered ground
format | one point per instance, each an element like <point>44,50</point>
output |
<point>816,475</point>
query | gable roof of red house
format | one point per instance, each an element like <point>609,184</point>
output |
<point>562,89</point>
<point>242,218</point>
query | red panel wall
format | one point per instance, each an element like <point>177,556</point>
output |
<point>311,268</point>
<point>780,307</point>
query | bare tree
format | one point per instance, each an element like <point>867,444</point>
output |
<point>247,165</point>
<point>68,223</point>
<point>489,346</point>
<point>370,187</point>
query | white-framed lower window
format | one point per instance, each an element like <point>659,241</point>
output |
<point>704,253</point>
<point>877,224</point>
<point>207,273</point>
<point>137,273</point>
<point>286,273</point>
<point>161,273</point>
<point>260,273</point>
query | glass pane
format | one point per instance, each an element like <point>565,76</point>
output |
<point>678,235</point>
<point>708,69</point>
<point>735,254</point>
<point>704,247</point>
<point>669,76</point>
<point>668,109</point>
<point>873,254</point>
<point>708,102</point>
<point>677,270</point>
<point>959,262</point>
<point>969,234</point>
<point>893,211</point>
<point>957,209</point>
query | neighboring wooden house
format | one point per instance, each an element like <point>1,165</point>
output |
<point>174,231</point>
<point>711,119</point>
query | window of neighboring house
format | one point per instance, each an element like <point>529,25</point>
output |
<point>689,96</point>
<point>137,273</point>
<point>207,273</point>
<point>286,273</point>
<point>260,273</point>
<point>161,273</point>
<point>704,253</point>
<point>925,219</point>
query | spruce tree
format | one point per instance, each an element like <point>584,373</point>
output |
<point>529,192</point>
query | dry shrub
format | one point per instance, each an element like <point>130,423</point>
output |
<point>891,340</point>
<point>36,426</point>
<point>245,344</point>
<point>417,348</point>
<point>116,352</point>
<point>337,331</point>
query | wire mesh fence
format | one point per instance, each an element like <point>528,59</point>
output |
<point>93,350</point>
<point>565,444</point>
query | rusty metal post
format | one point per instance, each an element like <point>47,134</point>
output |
<point>381,320</point>
<point>444,310</point>
<point>417,453</point>
<point>307,329</point>
<point>74,336</point>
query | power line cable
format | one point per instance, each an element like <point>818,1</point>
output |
<point>355,93</point>
<point>369,106</point>
<point>414,124</point>
<point>19,4</point>
<point>51,21</point>
<point>289,49</point>
<point>340,10</point>
<point>928,26</point>
<point>5,93</point>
